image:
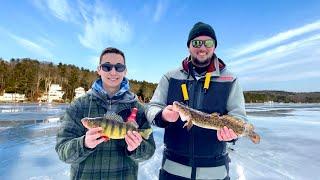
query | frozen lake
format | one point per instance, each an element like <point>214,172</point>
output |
<point>289,147</point>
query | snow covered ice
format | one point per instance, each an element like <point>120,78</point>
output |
<point>289,147</point>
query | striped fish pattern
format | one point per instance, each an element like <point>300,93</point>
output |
<point>114,127</point>
<point>214,121</point>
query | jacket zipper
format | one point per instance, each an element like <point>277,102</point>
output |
<point>194,105</point>
<point>110,104</point>
<point>197,90</point>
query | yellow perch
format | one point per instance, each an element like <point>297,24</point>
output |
<point>114,127</point>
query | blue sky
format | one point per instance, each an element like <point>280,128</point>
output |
<point>268,44</point>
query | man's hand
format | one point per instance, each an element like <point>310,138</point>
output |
<point>94,137</point>
<point>169,115</point>
<point>133,140</point>
<point>225,134</point>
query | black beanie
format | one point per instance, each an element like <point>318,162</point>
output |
<point>201,29</point>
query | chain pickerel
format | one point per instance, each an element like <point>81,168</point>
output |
<point>114,127</point>
<point>214,121</point>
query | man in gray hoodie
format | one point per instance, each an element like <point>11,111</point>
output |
<point>204,83</point>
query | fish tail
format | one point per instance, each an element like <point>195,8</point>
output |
<point>255,138</point>
<point>145,133</point>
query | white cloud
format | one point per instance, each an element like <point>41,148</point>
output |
<point>46,41</point>
<point>280,37</point>
<point>275,66</point>
<point>293,61</point>
<point>60,9</point>
<point>282,77</point>
<point>276,54</point>
<point>100,25</point>
<point>32,46</point>
<point>161,8</point>
<point>105,27</point>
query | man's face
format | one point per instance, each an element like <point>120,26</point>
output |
<point>111,78</point>
<point>201,55</point>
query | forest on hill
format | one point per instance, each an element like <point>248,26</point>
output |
<point>281,96</point>
<point>33,78</point>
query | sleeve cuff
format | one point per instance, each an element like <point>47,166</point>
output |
<point>233,141</point>
<point>129,153</point>
<point>86,149</point>
<point>159,121</point>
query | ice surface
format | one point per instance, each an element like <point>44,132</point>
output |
<point>289,147</point>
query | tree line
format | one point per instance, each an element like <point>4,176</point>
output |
<point>32,78</point>
<point>281,96</point>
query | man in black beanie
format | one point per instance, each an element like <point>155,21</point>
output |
<point>203,83</point>
<point>201,31</point>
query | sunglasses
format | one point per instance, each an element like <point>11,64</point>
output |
<point>196,43</point>
<point>108,67</point>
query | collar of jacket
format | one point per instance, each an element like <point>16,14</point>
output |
<point>218,66</point>
<point>127,97</point>
<point>124,87</point>
<point>122,96</point>
<point>95,99</point>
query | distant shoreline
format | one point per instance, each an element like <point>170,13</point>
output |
<point>250,97</point>
<point>32,102</point>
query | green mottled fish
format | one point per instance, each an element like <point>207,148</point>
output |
<point>114,127</point>
<point>214,121</point>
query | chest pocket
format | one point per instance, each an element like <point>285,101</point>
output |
<point>174,91</point>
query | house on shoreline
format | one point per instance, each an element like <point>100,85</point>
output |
<point>55,93</point>
<point>13,97</point>
<point>80,91</point>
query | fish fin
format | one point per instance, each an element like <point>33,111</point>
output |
<point>251,126</point>
<point>106,138</point>
<point>145,133</point>
<point>215,114</point>
<point>255,138</point>
<point>183,118</point>
<point>133,123</point>
<point>85,123</point>
<point>248,128</point>
<point>188,124</point>
<point>113,116</point>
